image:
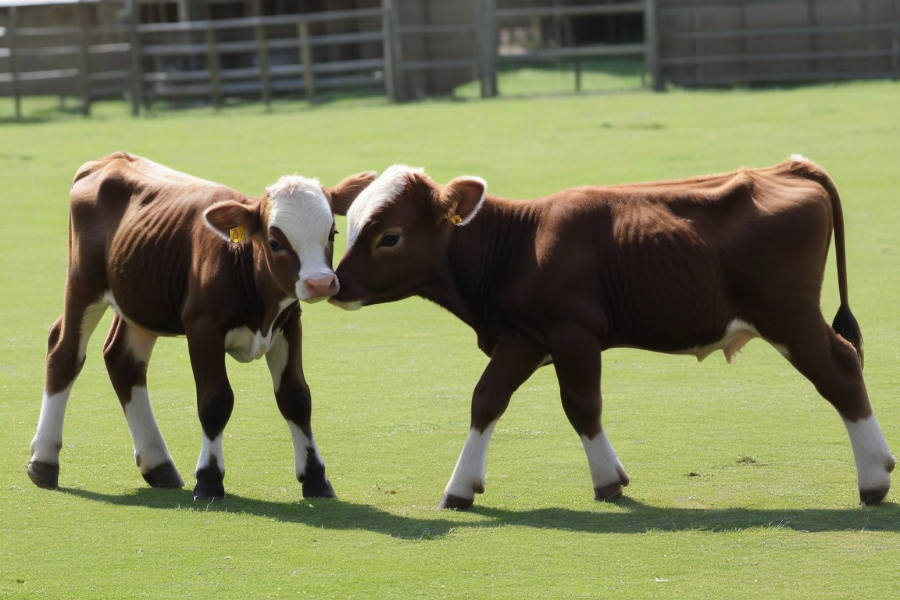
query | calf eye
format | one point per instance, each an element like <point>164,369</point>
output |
<point>275,246</point>
<point>389,240</point>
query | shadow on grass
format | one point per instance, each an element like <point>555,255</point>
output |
<point>638,518</point>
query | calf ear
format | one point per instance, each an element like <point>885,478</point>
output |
<point>343,194</point>
<point>232,221</point>
<point>461,199</point>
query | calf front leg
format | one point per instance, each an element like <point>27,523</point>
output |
<point>215,401</point>
<point>576,357</point>
<point>512,363</point>
<point>292,395</point>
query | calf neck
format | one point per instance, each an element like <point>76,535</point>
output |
<point>685,267</point>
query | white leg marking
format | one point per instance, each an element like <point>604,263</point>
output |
<point>301,449</point>
<point>602,459</point>
<point>212,449</point>
<point>150,448</point>
<point>871,453</point>
<point>468,476</point>
<point>277,358</point>
<point>47,440</point>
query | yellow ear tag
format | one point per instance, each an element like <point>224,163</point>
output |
<point>456,219</point>
<point>237,234</point>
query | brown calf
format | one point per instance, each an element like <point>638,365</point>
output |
<point>177,255</point>
<point>683,267</point>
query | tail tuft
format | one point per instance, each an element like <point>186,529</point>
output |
<point>845,325</point>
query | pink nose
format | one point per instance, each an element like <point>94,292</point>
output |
<point>324,286</point>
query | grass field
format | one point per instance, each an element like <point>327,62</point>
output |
<point>742,478</point>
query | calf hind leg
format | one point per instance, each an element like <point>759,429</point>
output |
<point>833,366</point>
<point>66,352</point>
<point>127,351</point>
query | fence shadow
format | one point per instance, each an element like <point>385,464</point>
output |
<point>637,518</point>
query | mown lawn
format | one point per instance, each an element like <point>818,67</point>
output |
<point>743,482</point>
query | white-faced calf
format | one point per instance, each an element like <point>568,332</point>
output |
<point>683,267</point>
<point>176,255</point>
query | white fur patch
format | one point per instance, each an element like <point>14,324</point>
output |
<point>47,440</point>
<point>468,477</point>
<point>277,358</point>
<point>299,208</point>
<point>301,448</point>
<point>737,334</point>
<point>380,192</point>
<point>150,448</point>
<point>871,453</point>
<point>801,158</point>
<point>604,464</point>
<point>211,449</point>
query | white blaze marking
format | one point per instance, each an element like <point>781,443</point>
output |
<point>277,358</point>
<point>604,464</point>
<point>47,440</point>
<point>149,444</point>
<point>468,477</point>
<point>380,192</point>
<point>300,209</point>
<point>211,449</point>
<point>871,453</point>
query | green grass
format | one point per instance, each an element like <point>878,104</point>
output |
<point>771,510</point>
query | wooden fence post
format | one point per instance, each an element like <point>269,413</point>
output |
<point>137,71</point>
<point>84,71</point>
<point>895,56</point>
<point>651,43</point>
<point>396,44</point>
<point>306,59</point>
<point>13,63</point>
<point>388,51</point>
<point>488,48</point>
<point>212,65</point>
<point>262,48</point>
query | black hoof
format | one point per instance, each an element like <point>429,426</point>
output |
<point>44,475</point>
<point>164,476</point>
<point>872,497</point>
<point>318,488</point>
<point>606,493</point>
<point>210,484</point>
<point>455,502</point>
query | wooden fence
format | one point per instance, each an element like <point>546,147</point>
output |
<point>716,42</point>
<point>411,48</point>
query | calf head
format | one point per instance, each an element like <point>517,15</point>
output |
<point>399,230</point>
<point>292,225</point>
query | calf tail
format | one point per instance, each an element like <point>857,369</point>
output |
<point>844,324</point>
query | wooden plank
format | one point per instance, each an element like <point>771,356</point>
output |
<point>84,61</point>
<point>306,59</point>
<point>437,29</point>
<point>569,11</point>
<point>749,33</point>
<point>577,52</point>
<point>736,58</point>
<point>400,92</point>
<point>245,22</point>
<point>452,63</point>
